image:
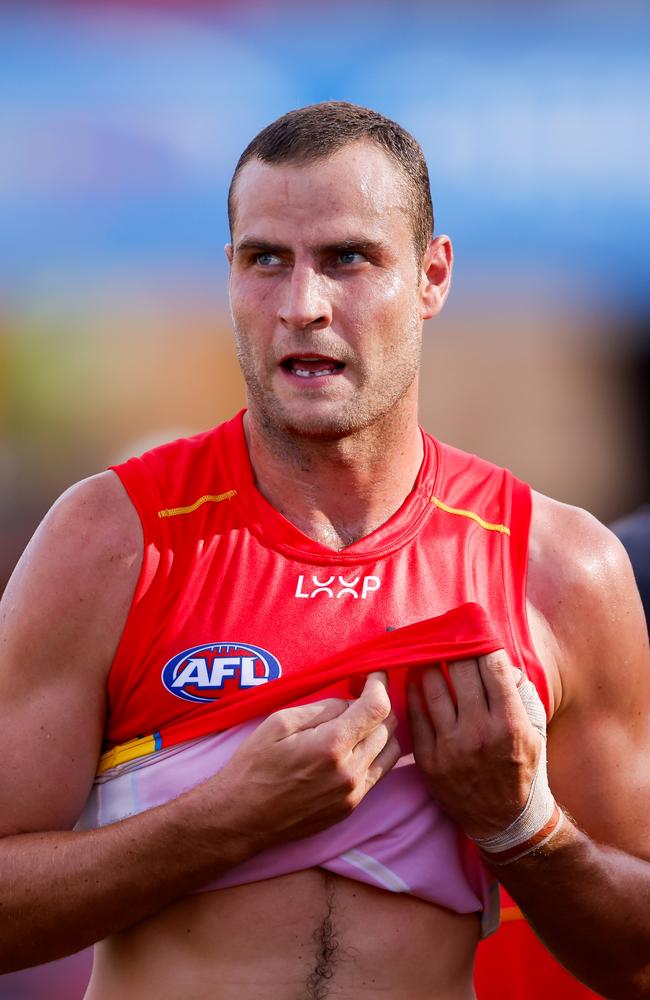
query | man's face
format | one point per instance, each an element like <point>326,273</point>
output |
<point>325,292</point>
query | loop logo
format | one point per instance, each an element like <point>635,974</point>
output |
<point>359,587</point>
<point>213,670</point>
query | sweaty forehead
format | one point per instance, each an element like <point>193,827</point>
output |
<point>358,188</point>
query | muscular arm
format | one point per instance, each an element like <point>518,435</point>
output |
<point>60,621</point>
<point>587,894</point>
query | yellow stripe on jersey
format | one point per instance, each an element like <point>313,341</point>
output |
<point>208,498</point>
<point>142,746</point>
<point>503,528</point>
<point>509,913</point>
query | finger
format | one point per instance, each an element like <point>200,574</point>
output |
<point>369,710</point>
<point>371,745</point>
<point>438,700</point>
<point>420,722</point>
<point>499,679</point>
<point>471,700</point>
<point>301,717</point>
<point>384,762</point>
<point>377,677</point>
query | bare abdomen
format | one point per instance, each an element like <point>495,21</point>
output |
<point>311,935</point>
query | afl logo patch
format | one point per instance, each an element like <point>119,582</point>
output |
<point>215,669</point>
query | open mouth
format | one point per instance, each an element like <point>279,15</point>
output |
<point>312,367</point>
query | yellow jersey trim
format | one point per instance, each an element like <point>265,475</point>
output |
<point>509,913</point>
<point>208,498</point>
<point>142,746</point>
<point>502,528</point>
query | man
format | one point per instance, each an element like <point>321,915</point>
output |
<point>321,519</point>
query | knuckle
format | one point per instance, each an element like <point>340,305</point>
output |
<point>472,748</point>
<point>379,707</point>
<point>478,742</point>
<point>278,723</point>
<point>435,692</point>
<point>450,743</point>
<point>351,800</point>
<point>331,756</point>
<point>329,708</point>
<point>347,782</point>
<point>498,661</point>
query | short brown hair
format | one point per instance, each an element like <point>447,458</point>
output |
<point>320,130</point>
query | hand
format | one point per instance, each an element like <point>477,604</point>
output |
<point>305,768</point>
<point>479,755</point>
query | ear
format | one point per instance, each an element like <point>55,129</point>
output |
<point>436,276</point>
<point>228,252</point>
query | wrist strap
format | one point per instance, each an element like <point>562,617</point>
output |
<point>525,847</point>
<point>541,817</point>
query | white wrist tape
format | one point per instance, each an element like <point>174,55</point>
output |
<point>541,817</point>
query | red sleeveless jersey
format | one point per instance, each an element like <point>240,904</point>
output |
<point>232,597</point>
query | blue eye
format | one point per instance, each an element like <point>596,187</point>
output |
<point>350,257</point>
<point>267,259</point>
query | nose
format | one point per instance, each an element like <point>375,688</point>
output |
<point>305,303</point>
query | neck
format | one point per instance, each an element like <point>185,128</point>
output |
<point>337,491</point>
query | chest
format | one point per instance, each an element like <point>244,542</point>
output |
<point>229,613</point>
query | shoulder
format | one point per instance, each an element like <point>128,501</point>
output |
<point>98,505</point>
<point>581,585</point>
<point>76,579</point>
<point>568,543</point>
<point>94,522</point>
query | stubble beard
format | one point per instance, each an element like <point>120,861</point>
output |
<point>374,401</point>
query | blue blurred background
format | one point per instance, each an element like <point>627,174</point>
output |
<point>120,126</point>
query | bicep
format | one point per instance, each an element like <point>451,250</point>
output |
<point>60,620</point>
<point>50,735</point>
<point>599,743</point>
<point>599,771</point>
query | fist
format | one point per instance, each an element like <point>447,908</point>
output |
<point>307,767</point>
<point>474,742</point>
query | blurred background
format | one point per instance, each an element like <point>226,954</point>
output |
<point>120,125</point>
